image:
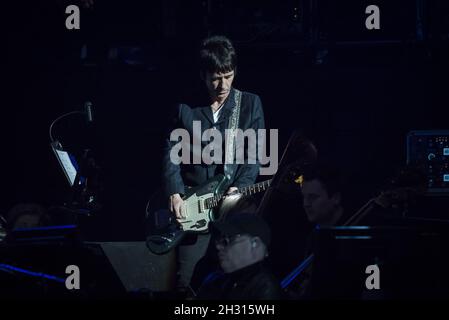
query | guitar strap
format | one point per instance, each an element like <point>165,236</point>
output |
<point>230,135</point>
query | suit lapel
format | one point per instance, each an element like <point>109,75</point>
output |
<point>207,112</point>
<point>225,113</point>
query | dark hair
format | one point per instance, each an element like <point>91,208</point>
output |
<point>217,54</point>
<point>328,175</point>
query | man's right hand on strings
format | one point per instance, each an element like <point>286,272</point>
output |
<point>176,204</point>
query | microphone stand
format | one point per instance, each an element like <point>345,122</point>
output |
<point>80,201</point>
<point>50,130</point>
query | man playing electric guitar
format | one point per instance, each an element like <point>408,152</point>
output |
<point>217,58</point>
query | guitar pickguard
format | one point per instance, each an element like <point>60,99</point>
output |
<point>197,215</point>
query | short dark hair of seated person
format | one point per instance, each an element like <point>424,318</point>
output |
<point>242,242</point>
<point>321,189</point>
<point>27,215</point>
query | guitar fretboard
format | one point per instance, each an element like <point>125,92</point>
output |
<point>245,191</point>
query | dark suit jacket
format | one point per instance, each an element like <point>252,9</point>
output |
<point>176,177</point>
<point>253,282</point>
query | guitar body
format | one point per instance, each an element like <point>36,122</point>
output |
<point>163,229</point>
<point>195,208</point>
<point>202,204</point>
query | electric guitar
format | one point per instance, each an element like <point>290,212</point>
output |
<point>201,205</point>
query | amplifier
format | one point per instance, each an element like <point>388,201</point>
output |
<point>429,150</point>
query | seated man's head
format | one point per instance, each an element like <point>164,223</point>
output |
<point>242,239</point>
<point>321,191</point>
<point>27,215</point>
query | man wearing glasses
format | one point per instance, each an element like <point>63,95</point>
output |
<point>242,242</point>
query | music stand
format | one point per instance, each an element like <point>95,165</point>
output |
<point>66,161</point>
<point>80,202</point>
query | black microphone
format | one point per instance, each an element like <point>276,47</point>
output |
<point>88,111</point>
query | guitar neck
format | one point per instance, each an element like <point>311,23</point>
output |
<point>245,191</point>
<point>255,188</point>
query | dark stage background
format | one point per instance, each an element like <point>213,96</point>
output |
<point>355,93</point>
